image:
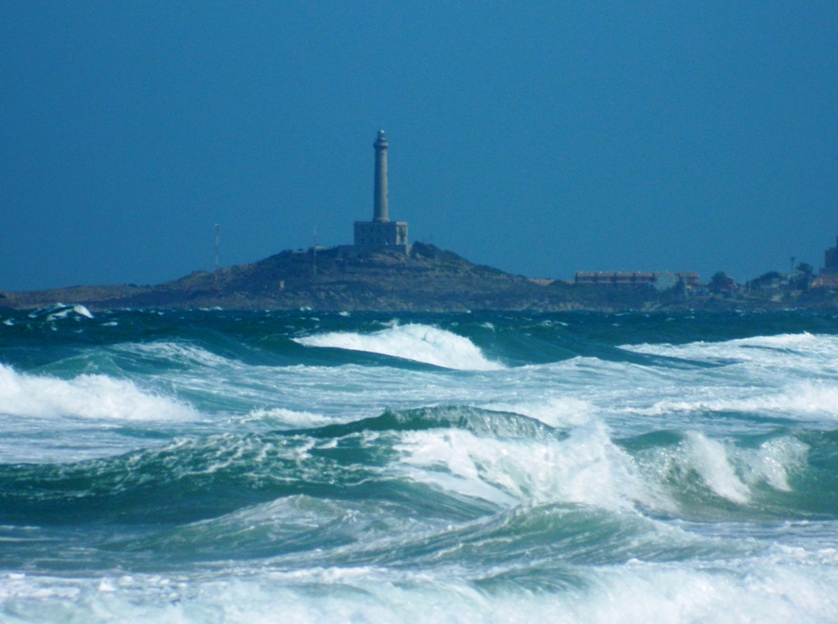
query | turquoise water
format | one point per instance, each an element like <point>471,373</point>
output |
<point>214,466</point>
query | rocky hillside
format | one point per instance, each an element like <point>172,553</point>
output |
<point>427,279</point>
<point>338,278</point>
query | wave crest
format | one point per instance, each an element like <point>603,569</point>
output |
<point>420,343</point>
<point>85,396</point>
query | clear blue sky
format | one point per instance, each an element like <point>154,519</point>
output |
<point>538,137</point>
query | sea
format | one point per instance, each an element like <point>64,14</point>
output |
<point>221,466</point>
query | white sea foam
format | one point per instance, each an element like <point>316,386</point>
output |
<point>709,458</point>
<point>174,352</point>
<point>805,399</point>
<point>552,411</point>
<point>634,593</point>
<point>288,418</point>
<point>420,343</point>
<point>60,311</point>
<point>744,570</point>
<point>85,396</point>
<point>586,467</point>
<point>773,462</point>
<point>81,310</point>
<point>729,471</point>
<point>783,350</point>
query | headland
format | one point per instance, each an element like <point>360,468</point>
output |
<point>425,278</point>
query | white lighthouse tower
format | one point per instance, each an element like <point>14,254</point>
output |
<point>381,232</point>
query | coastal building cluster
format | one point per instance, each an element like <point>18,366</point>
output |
<point>828,277</point>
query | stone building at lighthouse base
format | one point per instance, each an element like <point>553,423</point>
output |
<point>392,234</point>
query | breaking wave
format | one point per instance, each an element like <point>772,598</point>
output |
<point>85,396</point>
<point>420,343</point>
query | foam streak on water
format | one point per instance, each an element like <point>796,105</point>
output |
<point>261,467</point>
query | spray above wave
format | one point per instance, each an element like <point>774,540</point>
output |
<point>60,311</point>
<point>420,343</point>
<point>584,467</point>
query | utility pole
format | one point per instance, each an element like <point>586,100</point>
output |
<point>215,273</point>
<point>314,252</point>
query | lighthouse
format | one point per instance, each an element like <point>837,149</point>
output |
<point>381,233</point>
<point>379,212</point>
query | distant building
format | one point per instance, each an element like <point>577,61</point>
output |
<point>616,278</point>
<point>635,278</point>
<point>381,232</point>
<point>690,278</point>
<point>630,278</point>
<point>828,277</point>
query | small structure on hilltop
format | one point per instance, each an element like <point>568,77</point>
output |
<point>381,232</point>
<point>828,277</point>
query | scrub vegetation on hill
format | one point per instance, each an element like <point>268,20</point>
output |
<point>428,278</point>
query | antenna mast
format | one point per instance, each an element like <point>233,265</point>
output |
<point>215,273</point>
<point>216,247</point>
<point>314,251</point>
